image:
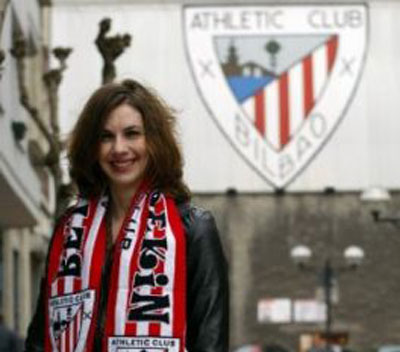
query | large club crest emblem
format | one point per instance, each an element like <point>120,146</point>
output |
<point>277,79</point>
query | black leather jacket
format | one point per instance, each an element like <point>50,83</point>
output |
<point>207,292</point>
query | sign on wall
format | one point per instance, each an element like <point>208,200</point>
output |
<point>285,310</point>
<point>274,310</point>
<point>277,79</point>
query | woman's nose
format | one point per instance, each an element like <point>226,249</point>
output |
<point>119,145</point>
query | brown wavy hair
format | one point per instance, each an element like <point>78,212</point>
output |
<point>165,167</point>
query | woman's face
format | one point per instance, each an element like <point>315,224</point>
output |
<point>123,154</point>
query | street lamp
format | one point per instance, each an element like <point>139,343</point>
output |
<point>376,199</point>
<point>301,256</point>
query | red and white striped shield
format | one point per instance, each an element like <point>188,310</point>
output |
<point>277,79</point>
<point>70,318</point>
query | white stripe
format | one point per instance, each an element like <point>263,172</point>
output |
<point>69,280</point>
<point>72,334</point>
<point>320,69</point>
<point>296,97</point>
<point>63,341</point>
<point>169,270</point>
<point>54,289</point>
<point>90,242</point>
<point>78,323</point>
<point>123,275</point>
<point>272,109</point>
<point>249,107</point>
<point>142,327</point>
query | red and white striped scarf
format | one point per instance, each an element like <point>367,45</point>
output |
<point>146,306</point>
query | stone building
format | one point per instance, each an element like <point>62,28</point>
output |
<point>26,192</point>
<point>259,231</point>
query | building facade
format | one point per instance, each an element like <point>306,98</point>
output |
<point>26,191</point>
<point>260,230</point>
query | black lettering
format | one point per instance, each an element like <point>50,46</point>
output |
<point>162,280</point>
<point>154,198</point>
<point>150,280</point>
<point>151,251</point>
<point>74,239</point>
<point>70,266</point>
<point>126,243</point>
<point>142,280</point>
<point>146,308</point>
<point>82,210</point>
<point>157,220</point>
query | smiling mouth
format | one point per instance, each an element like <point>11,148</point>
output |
<point>122,165</point>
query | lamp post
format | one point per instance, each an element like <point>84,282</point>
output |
<point>353,255</point>
<point>377,198</point>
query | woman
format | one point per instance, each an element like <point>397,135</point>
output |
<point>133,266</point>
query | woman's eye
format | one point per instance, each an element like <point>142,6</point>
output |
<point>132,133</point>
<point>104,137</point>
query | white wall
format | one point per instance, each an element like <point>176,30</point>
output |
<point>362,151</point>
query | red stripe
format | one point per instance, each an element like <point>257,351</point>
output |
<point>284,107</point>
<point>77,284</point>
<point>332,48</point>
<point>179,313</point>
<point>61,286</point>
<point>66,336</point>
<point>260,111</point>
<point>308,85</point>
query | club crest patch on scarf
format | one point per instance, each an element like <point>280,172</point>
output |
<point>277,80</point>
<point>70,319</point>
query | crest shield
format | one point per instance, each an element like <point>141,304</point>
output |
<point>70,317</point>
<point>277,80</point>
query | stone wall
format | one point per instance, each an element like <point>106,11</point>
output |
<point>258,231</point>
